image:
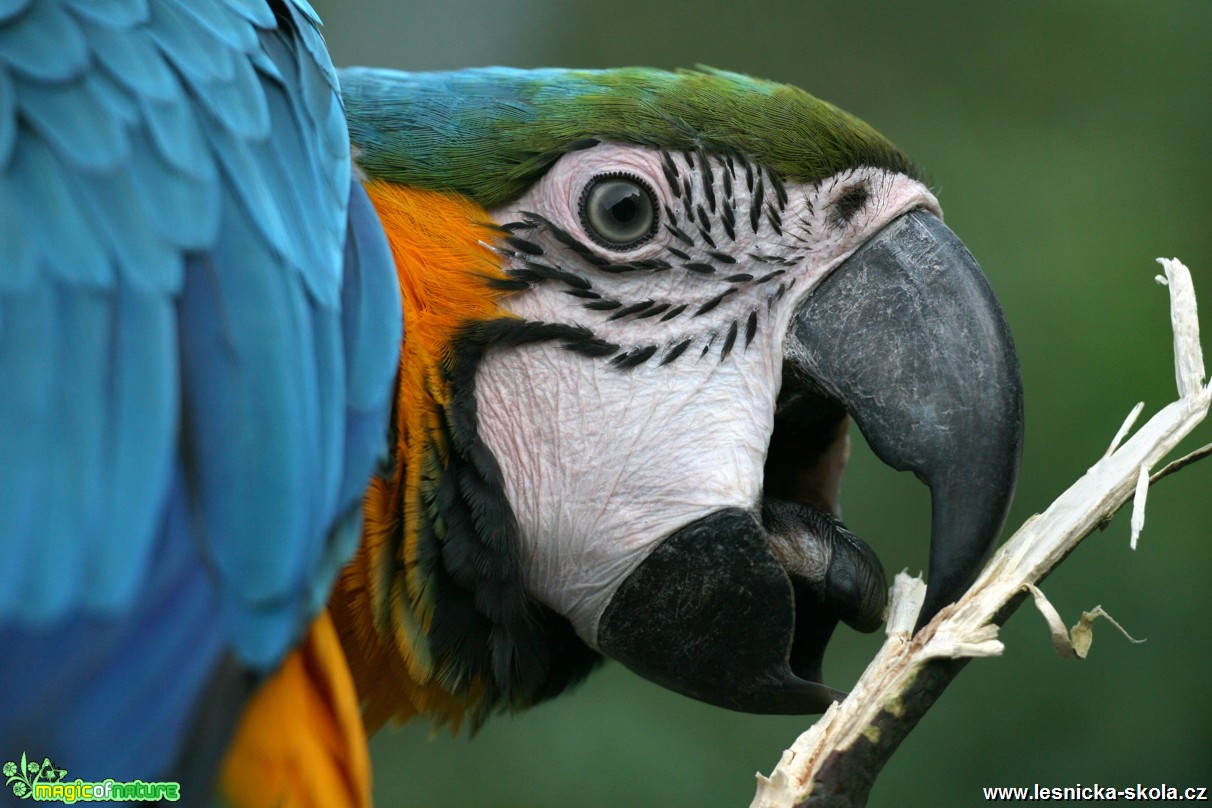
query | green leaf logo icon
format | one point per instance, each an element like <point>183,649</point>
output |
<point>22,776</point>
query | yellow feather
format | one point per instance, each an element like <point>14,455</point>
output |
<point>301,741</point>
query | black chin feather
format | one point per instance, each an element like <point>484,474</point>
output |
<point>486,631</point>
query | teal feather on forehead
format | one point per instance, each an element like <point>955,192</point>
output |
<point>490,133</point>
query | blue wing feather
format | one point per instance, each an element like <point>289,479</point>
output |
<point>27,336</point>
<point>111,697</point>
<point>165,195</point>
<point>18,254</point>
<point>11,8</point>
<point>189,46</point>
<point>122,15</point>
<point>141,431</point>
<point>134,62</point>
<point>67,501</point>
<point>144,256</point>
<point>198,331</point>
<point>257,12</point>
<point>239,103</point>
<point>49,210</point>
<point>8,119</point>
<point>363,314</point>
<point>303,7</point>
<point>233,31</point>
<point>44,43</point>
<point>172,124</point>
<point>74,123</point>
<point>117,102</point>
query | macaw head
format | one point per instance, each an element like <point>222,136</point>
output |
<point>642,310</point>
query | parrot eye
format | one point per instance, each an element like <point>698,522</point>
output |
<point>618,211</point>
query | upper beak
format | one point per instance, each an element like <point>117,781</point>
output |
<point>906,337</point>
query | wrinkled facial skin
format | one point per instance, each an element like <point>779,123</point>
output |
<point>664,413</point>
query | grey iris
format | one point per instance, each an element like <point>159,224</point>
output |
<point>618,211</point>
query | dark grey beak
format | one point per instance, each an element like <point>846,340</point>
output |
<point>907,338</point>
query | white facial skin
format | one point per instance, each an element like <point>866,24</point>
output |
<point>601,463</point>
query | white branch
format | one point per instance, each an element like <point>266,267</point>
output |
<point>965,629</point>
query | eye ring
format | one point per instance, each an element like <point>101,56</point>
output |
<point>619,211</point>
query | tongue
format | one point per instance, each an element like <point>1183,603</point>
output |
<point>834,575</point>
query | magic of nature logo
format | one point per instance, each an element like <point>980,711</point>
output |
<point>46,782</point>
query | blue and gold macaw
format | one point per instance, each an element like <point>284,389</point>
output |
<point>245,518</point>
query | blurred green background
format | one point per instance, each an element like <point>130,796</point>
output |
<point>1070,144</point>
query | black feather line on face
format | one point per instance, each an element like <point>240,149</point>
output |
<point>592,347</point>
<point>567,239</point>
<point>587,143</point>
<point>755,205</point>
<point>780,190</point>
<point>671,168</point>
<point>603,305</point>
<point>768,199</point>
<point>728,220</point>
<point>713,302</point>
<point>523,245</point>
<point>679,234</point>
<point>776,220</point>
<point>676,351</point>
<point>729,340</point>
<point>512,227</point>
<point>671,180</point>
<point>708,179</point>
<point>509,284</point>
<point>634,308</point>
<point>751,327</point>
<point>654,311</point>
<point>674,312</point>
<point>486,631</point>
<point>634,357</point>
<point>535,272</point>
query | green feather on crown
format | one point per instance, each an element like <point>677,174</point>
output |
<point>490,133</point>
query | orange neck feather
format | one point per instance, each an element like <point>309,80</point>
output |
<point>381,605</point>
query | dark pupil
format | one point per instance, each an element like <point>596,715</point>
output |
<point>625,205</point>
